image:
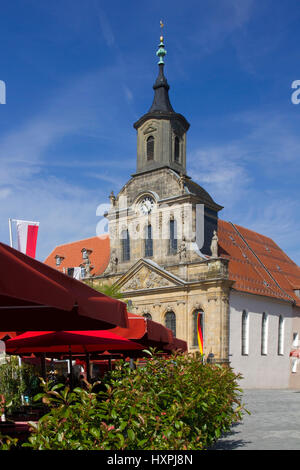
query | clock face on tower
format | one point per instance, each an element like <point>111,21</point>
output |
<point>146,205</point>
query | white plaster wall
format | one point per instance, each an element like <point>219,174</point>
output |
<point>260,371</point>
<point>295,375</point>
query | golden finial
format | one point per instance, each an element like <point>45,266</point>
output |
<point>161,25</point>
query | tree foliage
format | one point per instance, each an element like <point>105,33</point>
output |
<point>108,289</point>
<point>17,381</point>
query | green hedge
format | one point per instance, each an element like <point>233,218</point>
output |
<point>177,403</point>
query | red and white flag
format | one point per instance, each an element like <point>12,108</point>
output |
<point>27,236</point>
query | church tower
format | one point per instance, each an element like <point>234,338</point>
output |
<point>161,133</point>
<point>163,233</point>
<point>156,214</point>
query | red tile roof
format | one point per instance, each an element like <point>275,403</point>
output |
<point>257,264</point>
<point>71,252</point>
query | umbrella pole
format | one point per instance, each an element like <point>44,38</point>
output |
<point>43,365</point>
<point>71,368</point>
<point>20,368</point>
<point>88,372</point>
<point>109,364</point>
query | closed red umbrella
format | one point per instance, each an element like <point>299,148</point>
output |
<point>34,296</point>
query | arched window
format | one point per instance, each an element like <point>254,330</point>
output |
<point>195,326</point>
<point>173,237</point>
<point>281,336</point>
<point>150,148</point>
<point>245,333</point>
<point>264,334</point>
<point>170,322</point>
<point>176,149</point>
<point>147,315</point>
<point>125,245</point>
<point>148,241</point>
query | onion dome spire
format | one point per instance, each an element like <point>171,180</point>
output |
<point>161,51</point>
<point>161,101</point>
<point>161,107</point>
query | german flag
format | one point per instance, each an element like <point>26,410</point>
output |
<point>199,332</point>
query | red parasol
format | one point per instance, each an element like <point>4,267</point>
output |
<point>75,342</point>
<point>34,296</point>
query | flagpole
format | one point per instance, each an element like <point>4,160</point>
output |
<point>19,358</point>
<point>10,233</point>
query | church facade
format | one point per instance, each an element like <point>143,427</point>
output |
<point>174,259</point>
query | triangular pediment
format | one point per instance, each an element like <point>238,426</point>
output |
<point>146,274</point>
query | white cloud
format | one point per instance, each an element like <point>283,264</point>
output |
<point>65,212</point>
<point>105,26</point>
<point>256,177</point>
<point>219,170</point>
<point>128,93</point>
<point>108,177</point>
<point>220,20</point>
<point>28,184</point>
<point>4,193</point>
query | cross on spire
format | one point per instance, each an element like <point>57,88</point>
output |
<point>161,48</point>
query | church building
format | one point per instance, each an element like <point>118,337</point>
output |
<point>178,263</point>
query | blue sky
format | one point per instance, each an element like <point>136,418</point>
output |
<point>80,73</point>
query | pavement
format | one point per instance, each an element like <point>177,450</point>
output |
<point>274,423</point>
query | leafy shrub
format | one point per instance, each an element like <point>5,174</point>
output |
<point>7,443</point>
<point>177,403</point>
<point>16,381</point>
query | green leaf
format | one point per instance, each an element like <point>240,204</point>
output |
<point>147,352</point>
<point>114,414</point>
<point>95,432</point>
<point>123,425</point>
<point>122,440</point>
<point>58,386</point>
<point>131,434</point>
<point>38,396</point>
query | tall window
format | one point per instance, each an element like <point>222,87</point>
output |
<point>173,237</point>
<point>245,333</point>
<point>176,149</point>
<point>170,322</point>
<point>148,241</point>
<point>281,336</point>
<point>195,325</point>
<point>125,245</point>
<point>264,334</point>
<point>150,148</point>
